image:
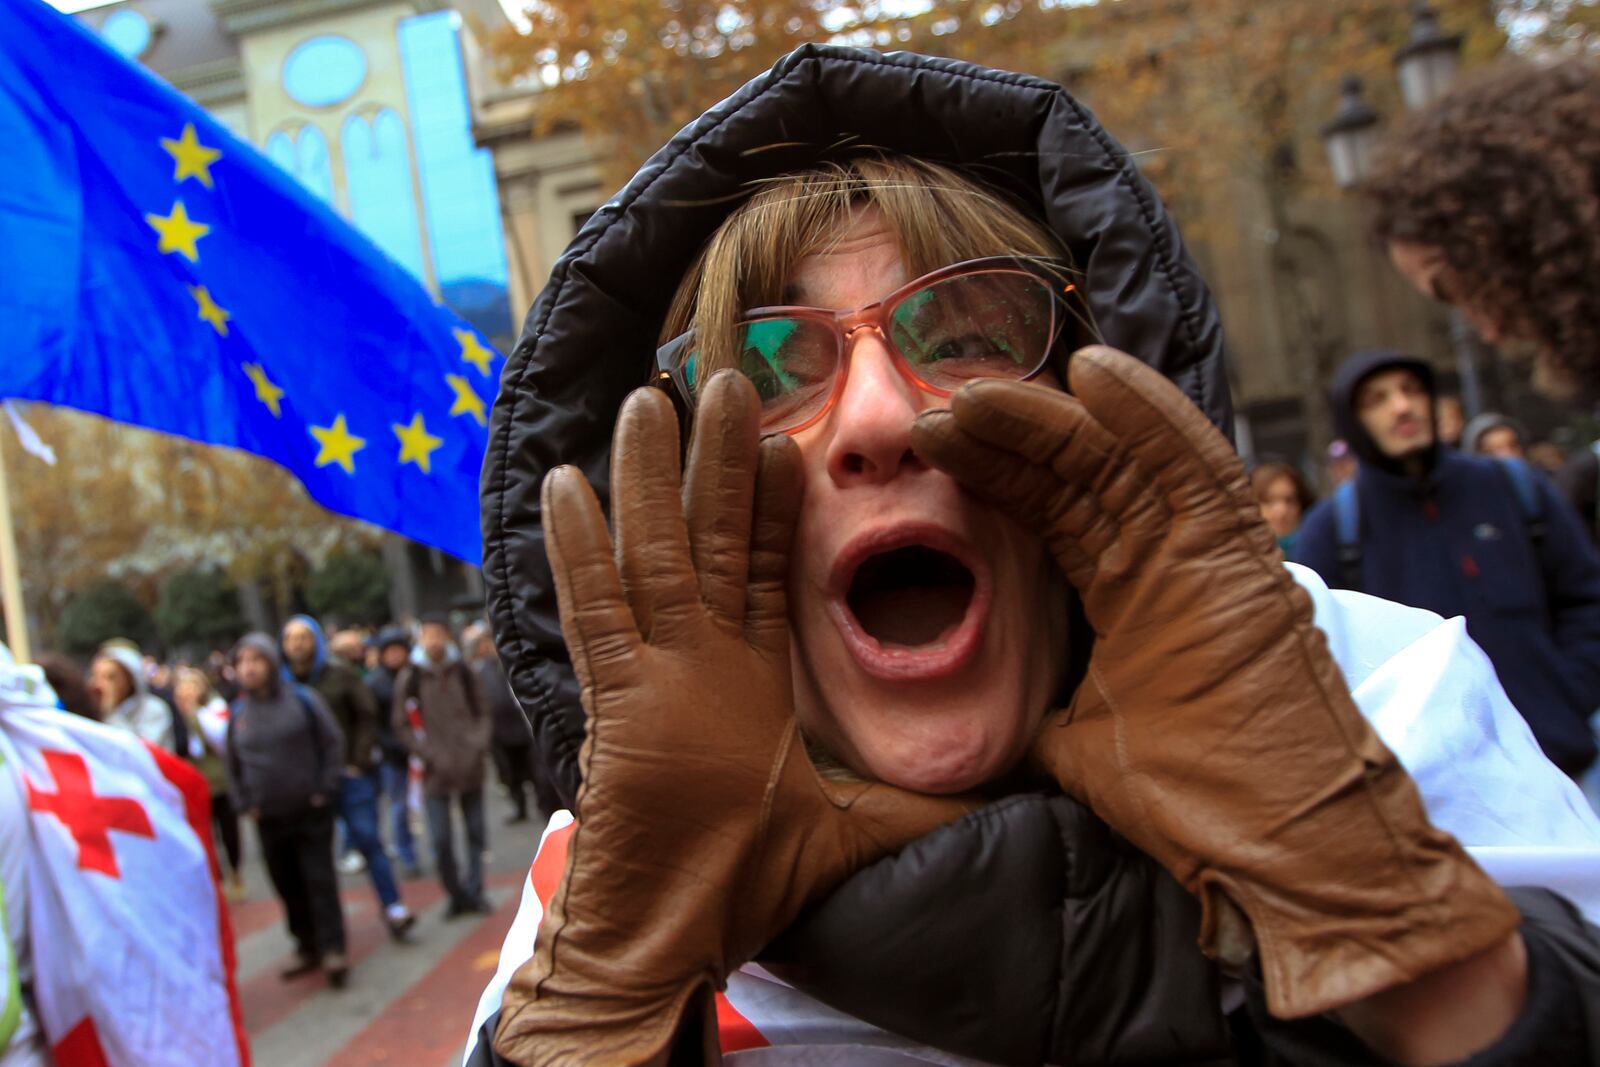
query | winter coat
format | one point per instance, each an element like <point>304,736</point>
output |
<point>380,683</point>
<point>348,698</point>
<point>510,725</point>
<point>1457,542</point>
<point>142,712</point>
<point>453,737</point>
<point>284,748</point>
<point>590,338</point>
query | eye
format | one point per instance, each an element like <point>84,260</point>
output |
<point>971,345</point>
<point>783,356</point>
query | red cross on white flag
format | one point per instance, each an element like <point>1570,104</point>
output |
<point>132,952</point>
<point>88,817</point>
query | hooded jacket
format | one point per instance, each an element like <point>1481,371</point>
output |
<point>1457,541</point>
<point>1030,900</point>
<point>284,749</point>
<point>141,712</point>
<point>351,703</point>
<point>1474,430</point>
<point>591,336</point>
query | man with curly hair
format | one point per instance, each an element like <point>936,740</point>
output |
<point>1490,201</point>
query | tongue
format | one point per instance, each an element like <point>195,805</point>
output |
<point>911,615</point>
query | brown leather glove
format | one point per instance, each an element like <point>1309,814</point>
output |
<point>702,827</point>
<point>1213,728</point>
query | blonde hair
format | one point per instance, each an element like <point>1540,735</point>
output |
<point>198,677</point>
<point>937,216</point>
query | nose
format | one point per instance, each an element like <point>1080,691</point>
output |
<point>871,442</point>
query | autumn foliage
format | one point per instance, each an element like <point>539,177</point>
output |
<point>139,507</point>
<point>1206,90</point>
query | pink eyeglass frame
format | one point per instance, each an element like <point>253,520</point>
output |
<point>671,358</point>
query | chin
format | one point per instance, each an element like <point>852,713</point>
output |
<point>948,736</point>
<point>940,776</point>
<point>950,756</point>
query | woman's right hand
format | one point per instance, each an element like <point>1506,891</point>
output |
<point>702,829</point>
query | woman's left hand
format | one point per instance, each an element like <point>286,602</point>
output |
<point>1214,730</point>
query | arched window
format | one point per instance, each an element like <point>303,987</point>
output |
<point>312,165</point>
<point>280,149</point>
<point>304,154</point>
<point>378,174</point>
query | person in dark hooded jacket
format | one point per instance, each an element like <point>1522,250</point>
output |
<point>305,651</point>
<point>1025,932</point>
<point>1428,526</point>
<point>285,758</point>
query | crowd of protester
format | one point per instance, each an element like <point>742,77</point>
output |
<point>313,736</point>
<point>1469,517</point>
<point>310,737</point>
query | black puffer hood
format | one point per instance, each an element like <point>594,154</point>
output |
<point>1342,403</point>
<point>591,335</point>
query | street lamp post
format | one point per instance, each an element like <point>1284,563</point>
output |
<point>1351,136</point>
<point>1426,65</point>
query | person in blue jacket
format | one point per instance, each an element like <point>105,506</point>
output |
<point>1484,538</point>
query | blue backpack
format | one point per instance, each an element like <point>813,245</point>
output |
<point>1347,517</point>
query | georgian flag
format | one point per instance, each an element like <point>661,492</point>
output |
<point>762,1021</point>
<point>132,952</point>
<point>1428,690</point>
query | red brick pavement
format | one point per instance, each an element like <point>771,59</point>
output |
<point>426,1025</point>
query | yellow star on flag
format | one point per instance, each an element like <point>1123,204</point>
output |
<point>266,392</point>
<point>468,402</point>
<point>417,445</point>
<point>192,159</point>
<point>178,231</point>
<point>473,352</point>
<point>338,444</point>
<point>210,311</point>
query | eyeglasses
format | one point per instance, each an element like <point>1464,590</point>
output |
<point>998,317</point>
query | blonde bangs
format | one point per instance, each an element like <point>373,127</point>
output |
<point>937,217</point>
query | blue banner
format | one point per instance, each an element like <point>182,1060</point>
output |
<point>157,270</point>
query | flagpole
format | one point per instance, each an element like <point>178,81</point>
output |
<point>10,576</point>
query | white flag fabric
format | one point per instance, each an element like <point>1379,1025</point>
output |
<point>1428,690</point>
<point>132,953</point>
<point>213,719</point>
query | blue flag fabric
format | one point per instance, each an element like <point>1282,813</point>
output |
<point>157,270</point>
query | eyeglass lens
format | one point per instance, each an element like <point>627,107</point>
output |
<point>989,324</point>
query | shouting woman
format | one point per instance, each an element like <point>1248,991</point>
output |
<point>951,702</point>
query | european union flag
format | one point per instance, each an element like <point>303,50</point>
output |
<point>159,271</point>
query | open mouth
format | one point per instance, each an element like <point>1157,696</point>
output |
<point>911,596</point>
<point>910,602</point>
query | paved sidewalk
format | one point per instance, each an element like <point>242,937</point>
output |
<point>406,1005</point>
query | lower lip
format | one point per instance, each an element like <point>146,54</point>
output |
<point>899,663</point>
